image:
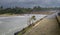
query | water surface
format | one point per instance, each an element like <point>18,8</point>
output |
<point>10,25</point>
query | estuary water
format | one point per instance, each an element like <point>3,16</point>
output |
<point>13,24</point>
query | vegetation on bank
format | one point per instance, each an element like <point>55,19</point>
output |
<point>16,10</point>
<point>19,10</point>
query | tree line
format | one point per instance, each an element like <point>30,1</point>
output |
<point>15,10</point>
<point>18,10</point>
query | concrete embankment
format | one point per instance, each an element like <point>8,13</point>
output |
<point>47,26</point>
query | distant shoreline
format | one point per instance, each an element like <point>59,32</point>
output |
<point>7,15</point>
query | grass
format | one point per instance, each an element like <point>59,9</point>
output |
<point>45,13</point>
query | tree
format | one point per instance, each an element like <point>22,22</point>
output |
<point>37,8</point>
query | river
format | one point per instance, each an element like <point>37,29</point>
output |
<point>12,24</point>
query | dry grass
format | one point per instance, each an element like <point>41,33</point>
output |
<point>45,13</point>
<point>8,15</point>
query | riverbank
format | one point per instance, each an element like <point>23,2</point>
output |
<point>24,30</point>
<point>7,15</point>
<point>43,13</point>
<point>45,27</point>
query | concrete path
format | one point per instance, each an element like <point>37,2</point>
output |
<point>48,26</point>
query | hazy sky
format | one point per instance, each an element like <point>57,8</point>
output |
<point>30,3</point>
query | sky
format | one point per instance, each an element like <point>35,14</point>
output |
<point>30,3</point>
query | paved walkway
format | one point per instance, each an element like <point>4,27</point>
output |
<point>47,26</point>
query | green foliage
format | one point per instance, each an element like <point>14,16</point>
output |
<point>38,8</point>
<point>33,17</point>
<point>15,10</point>
<point>18,10</point>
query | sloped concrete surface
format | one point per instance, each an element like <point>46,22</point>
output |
<point>48,26</point>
